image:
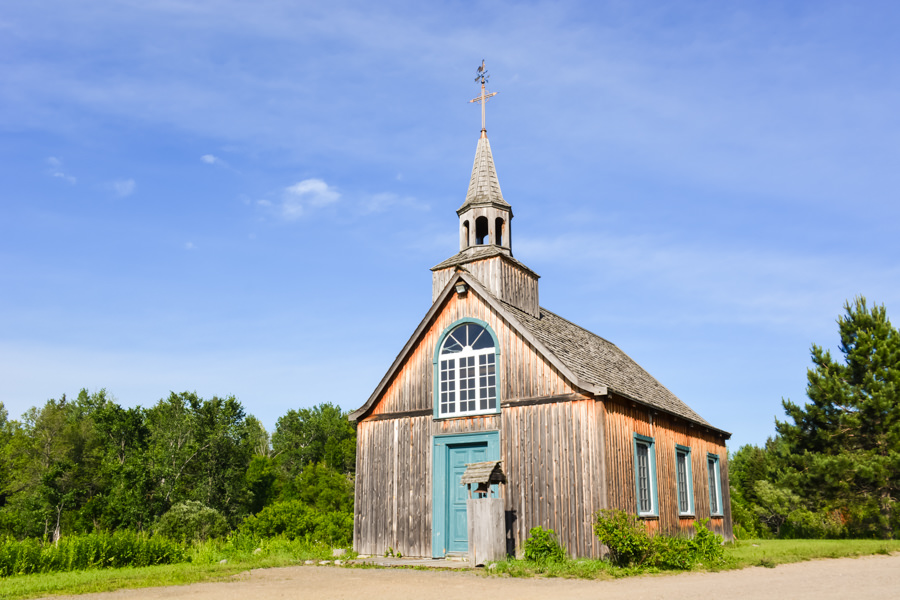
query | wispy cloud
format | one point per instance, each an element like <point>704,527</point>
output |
<point>189,246</point>
<point>782,288</point>
<point>387,200</point>
<point>56,170</point>
<point>211,159</point>
<point>122,187</point>
<point>298,199</point>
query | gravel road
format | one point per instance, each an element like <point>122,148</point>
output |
<point>870,577</point>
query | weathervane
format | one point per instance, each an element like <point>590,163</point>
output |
<point>482,74</point>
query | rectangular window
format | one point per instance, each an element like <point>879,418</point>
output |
<point>645,475</point>
<point>715,485</point>
<point>448,386</point>
<point>684,480</point>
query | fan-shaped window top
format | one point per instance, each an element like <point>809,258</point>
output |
<point>468,378</point>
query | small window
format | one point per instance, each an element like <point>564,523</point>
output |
<point>468,372</point>
<point>684,481</point>
<point>498,231</point>
<point>645,476</point>
<point>715,485</point>
<point>466,233</point>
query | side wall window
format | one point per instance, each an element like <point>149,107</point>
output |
<point>715,485</point>
<point>684,480</point>
<point>645,476</point>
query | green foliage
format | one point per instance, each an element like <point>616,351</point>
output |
<point>190,521</point>
<point>321,434</point>
<point>845,443</point>
<point>96,550</point>
<point>629,544</point>
<point>624,535</point>
<point>297,520</point>
<point>543,547</point>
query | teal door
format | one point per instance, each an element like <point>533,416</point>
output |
<point>458,455</point>
<point>450,454</point>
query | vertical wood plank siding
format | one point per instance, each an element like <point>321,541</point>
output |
<point>523,373</point>
<point>564,459</point>
<point>623,420</point>
<point>393,487</point>
<point>502,278</point>
<point>554,469</point>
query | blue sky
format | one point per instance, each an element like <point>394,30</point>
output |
<point>246,198</point>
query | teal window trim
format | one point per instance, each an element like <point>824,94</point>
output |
<point>436,361</point>
<point>714,474</point>
<point>642,440</point>
<point>689,481</point>
<point>439,444</point>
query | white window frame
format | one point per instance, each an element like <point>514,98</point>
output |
<point>454,375</point>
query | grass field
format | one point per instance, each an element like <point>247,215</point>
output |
<point>205,565</point>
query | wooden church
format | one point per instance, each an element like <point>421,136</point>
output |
<point>489,374</point>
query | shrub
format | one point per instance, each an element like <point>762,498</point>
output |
<point>542,546</point>
<point>190,521</point>
<point>296,520</point>
<point>624,535</point>
<point>630,544</point>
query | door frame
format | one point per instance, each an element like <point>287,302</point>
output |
<point>439,447</point>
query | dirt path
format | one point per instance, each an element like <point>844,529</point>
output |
<point>871,577</point>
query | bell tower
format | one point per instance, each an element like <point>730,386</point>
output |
<point>485,241</point>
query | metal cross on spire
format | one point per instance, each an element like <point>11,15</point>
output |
<point>482,74</point>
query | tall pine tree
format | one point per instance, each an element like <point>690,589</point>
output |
<point>846,441</point>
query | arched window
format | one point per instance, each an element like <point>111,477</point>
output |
<point>466,233</point>
<point>482,235</point>
<point>467,371</point>
<point>498,231</point>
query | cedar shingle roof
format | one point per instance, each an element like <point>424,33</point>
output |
<point>474,253</point>
<point>600,362</point>
<point>484,187</point>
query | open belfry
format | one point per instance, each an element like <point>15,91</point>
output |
<point>490,375</point>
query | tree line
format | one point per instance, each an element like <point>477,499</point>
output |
<point>75,466</point>
<point>833,467</point>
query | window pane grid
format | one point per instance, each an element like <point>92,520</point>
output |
<point>643,478</point>
<point>713,486</point>
<point>681,468</point>
<point>468,382</point>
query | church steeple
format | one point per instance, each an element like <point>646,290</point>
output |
<point>485,248</point>
<point>484,217</point>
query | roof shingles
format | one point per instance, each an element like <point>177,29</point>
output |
<point>601,362</point>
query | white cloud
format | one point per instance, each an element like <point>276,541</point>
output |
<point>56,170</point>
<point>123,187</point>
<point>211,159</point>
<point>189,245</point>
<point>303,195</point>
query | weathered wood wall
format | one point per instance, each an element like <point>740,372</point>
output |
<point>553,458</point>
<point>523,372</point>
<point>393,486</point>
<point>503,278</point>
<point>566,455</point>
<point>623,420</point>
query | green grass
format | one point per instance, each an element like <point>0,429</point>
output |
<point>766,553</point>
<point>204,566</point>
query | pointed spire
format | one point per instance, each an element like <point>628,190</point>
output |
<point>484,187</point>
